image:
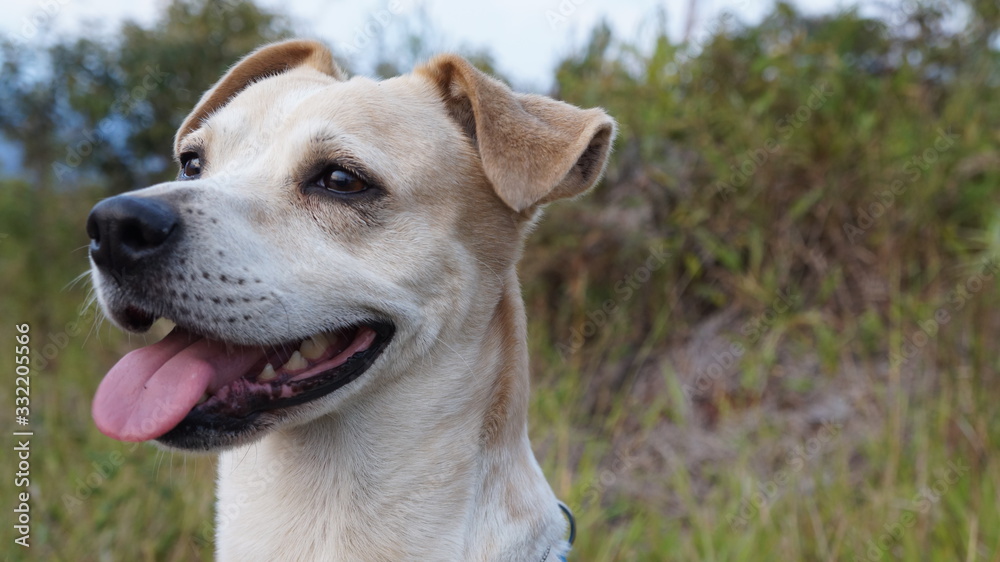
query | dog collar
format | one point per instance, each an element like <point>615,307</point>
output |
<point>572,531</point>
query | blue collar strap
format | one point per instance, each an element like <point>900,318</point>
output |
<point>572,531</point>
<point>572,522</point>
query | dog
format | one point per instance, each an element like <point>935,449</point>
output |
<point>338,258</point>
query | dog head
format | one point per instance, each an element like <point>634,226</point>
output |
<point>322,234</point>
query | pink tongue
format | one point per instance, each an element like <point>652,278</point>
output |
<point>151,389</point>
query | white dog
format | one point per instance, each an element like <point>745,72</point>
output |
<point>339,258</point>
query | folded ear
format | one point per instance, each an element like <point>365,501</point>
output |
<point>268,60</point>
<point>534,149</point>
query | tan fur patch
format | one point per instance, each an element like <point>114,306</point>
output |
<point>534,149</point>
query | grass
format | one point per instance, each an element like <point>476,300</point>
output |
<point>648,476</point>
<point>879,477</point>
<point>866,369</point>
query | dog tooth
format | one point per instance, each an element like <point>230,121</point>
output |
<point>314,347</point>
<point>204,397</point>
<point>295,362</point>
<point>267,373</point>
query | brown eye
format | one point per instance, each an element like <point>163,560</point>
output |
<point>190,165</point>
<point>341,181</point>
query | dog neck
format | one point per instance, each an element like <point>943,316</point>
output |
<point>433,465</point>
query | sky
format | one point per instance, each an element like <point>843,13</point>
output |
<point>526,37</point>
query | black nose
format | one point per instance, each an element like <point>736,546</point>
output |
<point>126,230</point>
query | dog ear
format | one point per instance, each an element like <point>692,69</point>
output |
<point>268,60</point>
<point>534,149</point>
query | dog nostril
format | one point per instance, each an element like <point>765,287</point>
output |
<point>92,231</point>
<point>125,230</point>
<point>143,234</point>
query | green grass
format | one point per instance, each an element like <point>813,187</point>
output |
<point>613,430</point>
<point>827,502</point>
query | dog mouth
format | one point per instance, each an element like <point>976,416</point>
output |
<point>187,384</point>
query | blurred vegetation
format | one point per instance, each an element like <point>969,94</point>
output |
<point>100,109</point>
<point>848,160</point>
<point>723,160</point>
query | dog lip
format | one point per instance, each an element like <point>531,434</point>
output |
<point>137,319</point>
<point>221,421</point>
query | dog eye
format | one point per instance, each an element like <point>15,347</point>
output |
<point>190,165</point>
<point>341,181</point>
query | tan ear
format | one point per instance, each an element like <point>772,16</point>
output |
<point>534,149</point>
<point>266,61</point>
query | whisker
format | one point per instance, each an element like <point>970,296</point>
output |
<point>76,280</point>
